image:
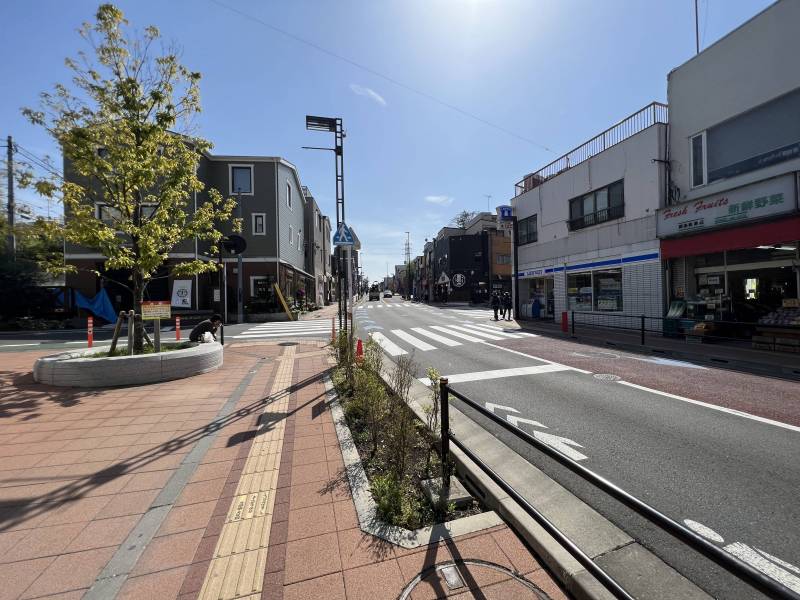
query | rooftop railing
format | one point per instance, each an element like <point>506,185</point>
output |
<point>653,113</point>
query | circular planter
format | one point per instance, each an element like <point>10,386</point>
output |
<point>75,369</point>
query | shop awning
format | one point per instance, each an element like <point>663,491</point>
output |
<point>736,238</point>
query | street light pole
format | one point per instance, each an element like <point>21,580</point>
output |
<point>239,261</point>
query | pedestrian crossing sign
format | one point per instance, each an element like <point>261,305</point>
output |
<point>343,236</point>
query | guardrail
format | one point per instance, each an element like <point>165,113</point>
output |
<point>682,327</point>
<point>653,113</point>
<point>739,569</point>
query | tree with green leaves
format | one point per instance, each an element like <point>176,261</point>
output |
<point>124,131</point>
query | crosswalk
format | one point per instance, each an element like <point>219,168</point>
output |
<point>397,342</point>
<point>286,329</point>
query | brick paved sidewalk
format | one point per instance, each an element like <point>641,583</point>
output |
<point>226,485</point>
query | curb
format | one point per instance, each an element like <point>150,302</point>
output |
<point>741,366</point>
<point>639,571</point>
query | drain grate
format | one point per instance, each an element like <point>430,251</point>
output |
<point>607,377</point>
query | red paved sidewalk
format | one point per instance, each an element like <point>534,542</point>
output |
<point>265,511</point>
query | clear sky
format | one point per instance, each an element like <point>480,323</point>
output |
<point>553,73</point>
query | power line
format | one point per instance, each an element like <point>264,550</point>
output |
<point>371,71</point>
<point>40,162</point>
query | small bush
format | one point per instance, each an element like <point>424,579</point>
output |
<point>388,495</point>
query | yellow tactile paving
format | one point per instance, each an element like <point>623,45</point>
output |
<point>239,559</point>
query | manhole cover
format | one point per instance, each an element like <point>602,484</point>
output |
<point>607,377</point>
<point>288,344</point>
<point>441,578</point>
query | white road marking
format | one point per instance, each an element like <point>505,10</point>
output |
<point>537,358</point>
<point>704,531</point>
<point>561,444</point>
<point>501,373</point>
<point>515,421</point>
<point>414,341</point>
<point>482,334</point>
<point>730,411</point>
<point>16,345</point>
<point>389,346</point>
<point>434,336</point>
<point>371,306</point>
<point>493,331</point>
<point>493,407</point>
<point>253,336</point>
<point>457,334</point>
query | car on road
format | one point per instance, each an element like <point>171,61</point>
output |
<point>387,294</point>
<point>374,294</point>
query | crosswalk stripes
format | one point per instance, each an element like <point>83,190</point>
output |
<point>436,337</point>
<point>493,331</point>
<point>389,346</point>
<point>318,328</point>
<point>482,334</point>
<point>414,341</point>
<point>463,336</point>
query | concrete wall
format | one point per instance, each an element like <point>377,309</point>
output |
<point>752,65</point>
<point>631,161</point>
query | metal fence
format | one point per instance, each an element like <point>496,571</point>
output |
<point>653,113</point>
<point>692,330</point>
<point>730,563</point>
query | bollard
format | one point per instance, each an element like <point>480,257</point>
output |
<point>564,322</point>
<point>444,400</point>
<point>359,351</point>
<point>177,329</point>
<point>90,331</point>
<point>573,322</point>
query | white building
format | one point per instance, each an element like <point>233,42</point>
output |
<point>587,224</point>
<point>730,236</point>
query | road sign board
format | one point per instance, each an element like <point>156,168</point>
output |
<point>343,236</point>
<point>156,309</point>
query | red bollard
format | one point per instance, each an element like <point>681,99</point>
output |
<point>564,322</point>
<point>90,331</point>
<point>359,351</point>
<point>177,329</point>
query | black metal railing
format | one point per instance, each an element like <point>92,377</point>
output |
<point>736,567</point>
<point>597,217</point>
<point>690,329</point>
<point>653,113</point>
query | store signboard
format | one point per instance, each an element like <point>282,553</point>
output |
<point>732,207</point>
<point>182,293</point>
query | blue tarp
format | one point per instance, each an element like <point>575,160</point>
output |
<point>100,305</point>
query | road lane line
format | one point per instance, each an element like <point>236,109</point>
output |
<point>389,346</point>
<point>457,334</point>
<point>414,341</point>
<point>33,344</point>
<point>552,362</point>
<point>434,336</point>
<point>483,334</point>
<point>500,373</point>
<point>484,329</point>
<point>730,411</point>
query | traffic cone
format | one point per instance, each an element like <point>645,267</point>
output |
<point>359,351</point>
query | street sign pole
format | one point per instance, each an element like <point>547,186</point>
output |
<point>239,275</point>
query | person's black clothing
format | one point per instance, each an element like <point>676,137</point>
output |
<point>507,306</point>
<point>495,305</point>
<point>202,327</point>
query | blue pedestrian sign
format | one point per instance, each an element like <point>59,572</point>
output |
<point>343,236</point>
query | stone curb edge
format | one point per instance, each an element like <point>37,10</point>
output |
<point>366,508</point>
<point>639,571</point>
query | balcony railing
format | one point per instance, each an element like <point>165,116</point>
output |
<point>595,218</point>
<point>653,113</point>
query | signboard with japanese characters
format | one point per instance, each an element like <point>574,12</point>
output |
<point>732,207</point>
<point>155,309</point>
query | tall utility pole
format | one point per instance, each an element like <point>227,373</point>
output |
<point>12,240</point>
<point>488,202</point>
<point>239,266</point>
<point>408,265</point>
<point>696,29</point>
<point>335,126</point>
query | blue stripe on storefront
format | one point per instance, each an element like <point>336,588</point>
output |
<point>600,263</point>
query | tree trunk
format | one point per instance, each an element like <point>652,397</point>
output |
<point>138,295</point>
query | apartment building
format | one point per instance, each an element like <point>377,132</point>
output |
<point>586,224</point>
<point>729,236</point>
<point>318,248</point>
<point>272,205</point>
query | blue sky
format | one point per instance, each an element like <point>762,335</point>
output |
<point>553,72</point>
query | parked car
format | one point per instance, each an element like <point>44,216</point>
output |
<point>387,294</point>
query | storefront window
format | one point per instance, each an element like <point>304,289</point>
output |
<point>579,291</point>
<point>608,290</point>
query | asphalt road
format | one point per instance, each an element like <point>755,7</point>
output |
<point>713,446</point>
